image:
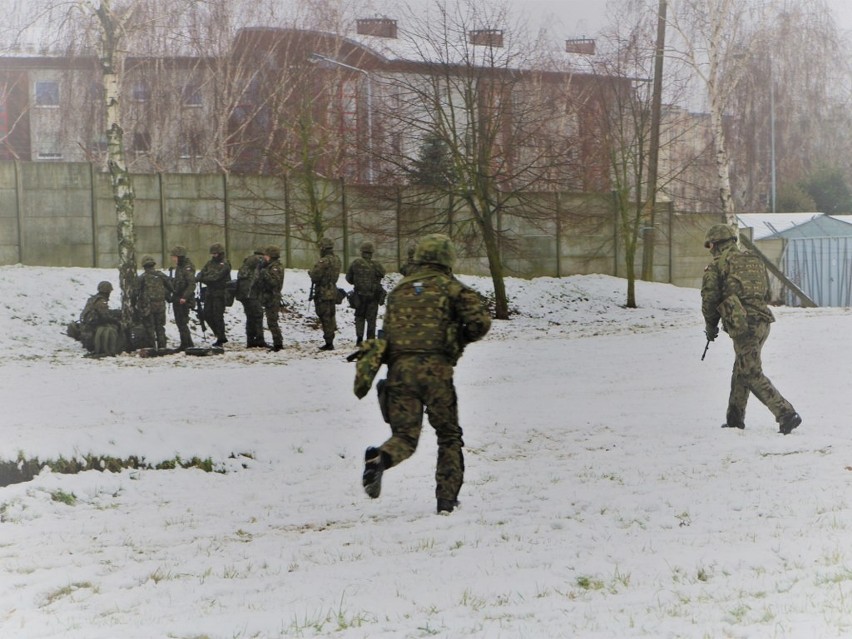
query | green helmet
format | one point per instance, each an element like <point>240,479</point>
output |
<point>260,251</point>
<point>367,247</point>
<point>272,251</point>
<point>436,248</point>
<point>216,249</point>
<point>178,251</point>
<point>104,287</point>
<point>326,244</point>
<point>147,260</point>
<point>718,233</point>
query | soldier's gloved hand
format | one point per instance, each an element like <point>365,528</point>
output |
<point>712,332</point>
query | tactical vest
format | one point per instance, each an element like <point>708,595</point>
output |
<point>419,317</point>
<point>746,277</point>
<point>88,316</point>
<point>364,277</point>
<point>153,293</point>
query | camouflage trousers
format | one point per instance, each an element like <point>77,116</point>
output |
<point>254,321</point>
<point>748,378</point>
<point>366,313</point>
<point>155,327</point>
<point>214,315</point>
<point>326,312</point>
<point>415,382</point>
<point>272,313</point>
<point>182,322</point>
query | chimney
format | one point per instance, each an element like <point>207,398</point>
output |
<point>486,37</point>
<point>583,46</point>
<point>380,27</point>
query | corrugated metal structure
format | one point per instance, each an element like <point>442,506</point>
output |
<point>815,253</point>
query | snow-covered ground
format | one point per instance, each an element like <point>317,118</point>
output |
<point>602,500</point>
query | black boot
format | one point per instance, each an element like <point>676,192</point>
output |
<point>329,346</point>
<point>374,466</point>
<point>788,422</point>
<point>446,506</point>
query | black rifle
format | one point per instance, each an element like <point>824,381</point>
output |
<point>199,307</point>
<point>706,346</point>
<point>311,292</point>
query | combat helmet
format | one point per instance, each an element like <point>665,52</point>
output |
<point>272,251</point>
<point>147,260</point>
<point>718,233</point>
<point>326,244</point>
<point>436,248</point>
<point>104,287</point>
<point>367,247</point>
<point>216,249</point>
<point>178,251</point>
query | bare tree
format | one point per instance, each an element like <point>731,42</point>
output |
<point>482,93</point>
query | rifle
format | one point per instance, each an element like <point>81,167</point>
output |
<point>706,346</point>
<point>311,292</point>
<point>199,307</point>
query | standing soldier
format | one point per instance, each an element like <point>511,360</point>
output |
<point>735,289</point>
<point>271,282</point>
<point>324,276</point>
<point>430,318</point>
<point>183,298</point>
<point>154,289</point>
<point>248,293</point>
<point>366,276</point>
<point>215,276</point>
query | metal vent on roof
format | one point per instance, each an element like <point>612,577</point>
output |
<point>486,37</point>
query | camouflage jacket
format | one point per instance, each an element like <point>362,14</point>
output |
<point>154,289</point>
<point>215,276</point>
<point>735,288</point>
<point>431,311</point>
<point>324,276</point>
<point>271,281</point>
<point>97,312</point>
<point>247,278</point>
<point>184,281</point>
<point>366,276</point>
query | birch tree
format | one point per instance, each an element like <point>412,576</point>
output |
<point>714,36</point>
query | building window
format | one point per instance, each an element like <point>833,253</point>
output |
<point>141,142</point>
<point>192,95</point>
<point>140,92</point>
<point>191,145</point>
<point>47,93</point>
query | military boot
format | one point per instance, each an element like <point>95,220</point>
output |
<point>374,466</point>
<point>788,422</point>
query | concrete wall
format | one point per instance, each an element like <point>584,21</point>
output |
<point>61,214</point>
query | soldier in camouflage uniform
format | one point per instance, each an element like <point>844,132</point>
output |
<point>271,281</point>
<point>100,326</point>
<point>410,264</point>
<point>215,276</point>
<point>324,276</point>
<point>248,294</point>
<point>154,290</point>
<point>430,318</point>
<point>735,289</point>
<point>366,276</point>
<point>183,298</point>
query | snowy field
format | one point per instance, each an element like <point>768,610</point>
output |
<point>602,500</point>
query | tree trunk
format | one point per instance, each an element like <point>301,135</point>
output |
<point>122,187</point>
<point>495,266</point>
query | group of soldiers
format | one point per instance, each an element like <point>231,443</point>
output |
<point>257,288</point>
<point>430,318</point>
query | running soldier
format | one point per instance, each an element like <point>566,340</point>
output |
<point>430,318</point>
